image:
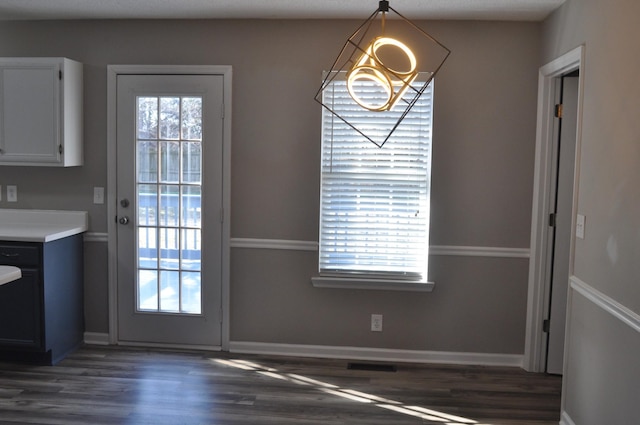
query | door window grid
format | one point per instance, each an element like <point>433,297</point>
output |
<point>169,180</point>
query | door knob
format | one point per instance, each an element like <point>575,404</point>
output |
<point>124,220</point>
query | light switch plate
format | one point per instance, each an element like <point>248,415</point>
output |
<point>376,323</point>
<point>580,222</point>
<point>98,195</point>
<point>12,193</point>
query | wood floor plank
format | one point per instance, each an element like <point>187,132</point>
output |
<point>114,385</point>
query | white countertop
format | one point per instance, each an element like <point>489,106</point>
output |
<point>9,274</point>
<point>41,225</point>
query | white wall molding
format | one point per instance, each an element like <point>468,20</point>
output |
<point>96,237</point>
<point>461,251</point>
<point>565,419</point>
<point>291,245</point>
<point>606,303</point>
<point>376,354</point>
<point>479,251</point>
<point>354,353</point>
<point>351,282</point>
<point>96,338</point>
<point>296,245</point>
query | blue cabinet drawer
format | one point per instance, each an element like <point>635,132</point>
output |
<point>19,255</point>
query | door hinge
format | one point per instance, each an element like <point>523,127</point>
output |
<point>221,215</point>
<point>558,110</point>
<point>552,220</point>
<point>60,149</point>
<point>60,75</point>
<point>545,326</point>
<point>222,112</point>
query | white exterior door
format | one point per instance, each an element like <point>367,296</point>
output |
<point>169,194</point>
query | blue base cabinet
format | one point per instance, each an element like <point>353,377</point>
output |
<point>42,313</point>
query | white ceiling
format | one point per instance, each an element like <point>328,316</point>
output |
<point>512,10</point>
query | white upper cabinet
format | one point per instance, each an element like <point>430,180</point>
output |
<point>40,112</point>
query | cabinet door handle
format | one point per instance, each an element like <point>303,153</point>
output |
<point>10,255</point>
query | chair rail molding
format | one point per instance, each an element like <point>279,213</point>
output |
<point>445,250</point>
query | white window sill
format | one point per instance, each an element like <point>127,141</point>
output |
<point>348,282</point>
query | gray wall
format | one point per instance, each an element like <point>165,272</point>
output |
<point>602,383</point>
<point>482,174</point>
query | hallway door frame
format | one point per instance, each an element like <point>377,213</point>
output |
<point>535,352</point>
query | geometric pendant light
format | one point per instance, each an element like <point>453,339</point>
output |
<point>386,65</point>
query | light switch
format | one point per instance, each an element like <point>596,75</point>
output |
<point>12,193</point>
<point>580,226</point>
<point>376,323</point>
<point>98,195</point>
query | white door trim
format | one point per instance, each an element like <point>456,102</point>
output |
<point>112,73</point>
<point>538,292</point>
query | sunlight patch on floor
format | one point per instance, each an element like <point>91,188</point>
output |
<point>353,395</point>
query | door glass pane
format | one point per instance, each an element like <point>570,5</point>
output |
<point>169,252</point>
<point>170,162</point>
<point>190,259</point>
<point>191,162</point>
<point>190,214</point>
<point>147,118</point>
<point>170,291</point>
<point>169,192</point>
<point>147,290</point>
<point>169,118</point>
<point>148,204</point>
<point>169,205</point>
<point>191,292</point>
<point>191,118</point>
<point>147,161</point>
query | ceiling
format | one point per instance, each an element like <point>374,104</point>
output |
<point>510,10</point>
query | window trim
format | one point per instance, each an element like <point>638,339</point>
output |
<point>368,282</point>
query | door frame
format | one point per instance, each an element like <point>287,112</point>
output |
<point>535,352</point>
<point>112,74</point>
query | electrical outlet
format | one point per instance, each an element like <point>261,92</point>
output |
<point>12,193</point>
<point>376,323</point>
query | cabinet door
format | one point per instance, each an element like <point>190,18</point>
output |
<point>20,312</point>
<point>30,113</point>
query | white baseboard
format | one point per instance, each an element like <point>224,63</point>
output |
<point>376,354</point>
<point>96,338</point>
<point>565,419</point>
<point>354,353</point>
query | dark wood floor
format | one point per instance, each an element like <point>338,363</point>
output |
<point>106,385</point>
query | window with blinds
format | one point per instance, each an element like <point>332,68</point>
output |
<point>374,202</point>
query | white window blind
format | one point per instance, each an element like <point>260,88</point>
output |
<point>374,206</point>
